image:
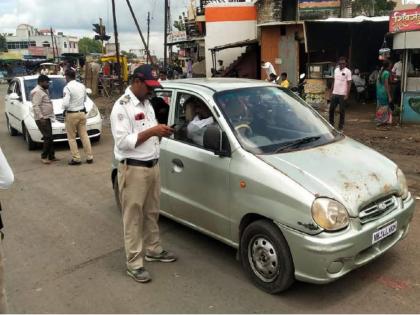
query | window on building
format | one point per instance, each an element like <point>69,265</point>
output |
<point>65,45</point>
<point>32,44</point>
<point>45,44</point>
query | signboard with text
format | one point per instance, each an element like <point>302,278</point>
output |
<point>175,37</point>
<point>404,20</point>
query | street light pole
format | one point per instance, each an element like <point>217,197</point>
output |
<point>117,45</point>
<point>165,43</point>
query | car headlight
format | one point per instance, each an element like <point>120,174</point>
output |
<point>330,214</point>
<point>93,112</point>
<point>403,184</point>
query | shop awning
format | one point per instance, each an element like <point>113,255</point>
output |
<point>243,43</point>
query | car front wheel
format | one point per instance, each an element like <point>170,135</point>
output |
<point>12,131</point>
<point>31,144</point>
<point>266,257</point>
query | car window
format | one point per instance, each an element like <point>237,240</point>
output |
<point>160,102</point>
<point>11,87</point>
<point>17,89</point>
<point>55,89</point>
<point>192,118</point>
<point>269,120</point>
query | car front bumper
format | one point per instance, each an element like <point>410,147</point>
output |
<point>330,255</point>
<point>93,126</point>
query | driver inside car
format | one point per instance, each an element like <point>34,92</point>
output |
<point>200,122</point>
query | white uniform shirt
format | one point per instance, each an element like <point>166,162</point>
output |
<point>6,174</point>
<point>74,96</point>
<point>128,118</point>
<point>196,129</point>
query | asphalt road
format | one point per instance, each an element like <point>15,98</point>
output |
<point>64,254</point>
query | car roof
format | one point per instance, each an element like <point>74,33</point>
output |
<point>35,76</point>
<point>214,84</point>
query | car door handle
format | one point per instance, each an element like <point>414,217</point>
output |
<point>177,166</point>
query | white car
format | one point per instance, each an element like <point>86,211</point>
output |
<point>20,116</point>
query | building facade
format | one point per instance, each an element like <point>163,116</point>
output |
<point>31,43</point>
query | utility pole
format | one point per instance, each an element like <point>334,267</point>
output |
<point>117,45</point>
<point>148,36</point>
<point>165,43</point>
<point>52,42</point>
<point>139,30</point>
<point>102,39</point>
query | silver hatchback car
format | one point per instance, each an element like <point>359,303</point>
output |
<point>255,167</point>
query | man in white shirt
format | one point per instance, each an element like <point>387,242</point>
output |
<point>360,84</point>
<point>197,127</point>
<point>340,91</point>
<point>269,69</point>
<point>6,180</point>
<point>136,136</point>
<point>74,105</point>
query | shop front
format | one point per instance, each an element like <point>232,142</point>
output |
<point>405,27</point>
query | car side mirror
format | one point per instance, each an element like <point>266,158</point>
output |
<point>15,97</point>
<point>216,140</point>
<point>88,91</point>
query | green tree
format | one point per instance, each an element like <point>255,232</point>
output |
<point>372,7</point>
<point>3,44</point>
<point>129,55</point>
<point>179,24</point>
<point>88,45</point>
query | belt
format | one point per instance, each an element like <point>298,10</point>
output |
<point>133,162</point>
<point>76,111</point>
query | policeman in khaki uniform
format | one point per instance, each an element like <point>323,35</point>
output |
<point>136,136</point>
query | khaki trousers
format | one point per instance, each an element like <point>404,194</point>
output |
<point>139,189</point>
<point>76,124</point>
<point>3,300</point>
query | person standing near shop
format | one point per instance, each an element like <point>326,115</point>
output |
<point>384,96</point>
<point>74,105</point>
<point>43,115</point>
<point>6,180</point>
<point>340,91</point>
<point>137,135</point>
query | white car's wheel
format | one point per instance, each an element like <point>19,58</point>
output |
<point>31,144</point>
<point>12,131</point>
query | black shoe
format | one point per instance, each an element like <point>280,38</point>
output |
<point>164,256</point>
<point>140,275</point>
<point>73,162</point>
<point>89,161</point>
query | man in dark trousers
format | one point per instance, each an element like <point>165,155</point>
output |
<point>43,115</point>
<point>340,93</point>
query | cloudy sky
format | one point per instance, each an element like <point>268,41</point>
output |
<point>75,17</point>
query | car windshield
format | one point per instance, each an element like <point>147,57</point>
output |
<point>268,120</point>
<point>55,89</point>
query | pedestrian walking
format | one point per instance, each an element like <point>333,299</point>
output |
<point>136,136</point>
<point>6,180</point>
<point>74,105</point>
<point>384,96</point>
<point>340,91</point>
<point>43,115</point>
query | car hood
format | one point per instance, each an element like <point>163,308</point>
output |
<point>58,105</point>
<point>346,171</point>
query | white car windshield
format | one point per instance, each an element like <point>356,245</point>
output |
<point>55,89</point>
<point>269,120</point>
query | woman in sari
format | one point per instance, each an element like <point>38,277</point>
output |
<point>383,96</point>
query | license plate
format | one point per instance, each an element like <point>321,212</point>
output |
<point>384,232</point>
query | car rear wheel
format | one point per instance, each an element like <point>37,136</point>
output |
<point>266,257</point>
<point>12,131</point>
<point>31,144</point>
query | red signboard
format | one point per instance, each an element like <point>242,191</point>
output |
<point>404,20</point>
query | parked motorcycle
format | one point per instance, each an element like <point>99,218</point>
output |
<point>299,90</point>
